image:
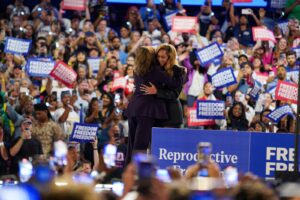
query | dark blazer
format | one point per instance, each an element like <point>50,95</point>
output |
<point>170,97</point>
<point>149,105</point>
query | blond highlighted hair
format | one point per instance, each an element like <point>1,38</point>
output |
<point>171,53</point>
<point>144,60</point>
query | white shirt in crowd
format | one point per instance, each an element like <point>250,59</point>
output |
<point>196,89</point>
<point>67,126</point>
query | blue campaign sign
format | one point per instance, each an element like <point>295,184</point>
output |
<point>210,109</point>
<point>39,67</point>
<point>283,26</point>
<point>270,152</point>
<point>209,53</point>
<point>272,91</point>
<point>16,45</point>
<point>94,64</point>
<point>277,114</point>
<point>223,78</point>
<point>259,153</point>
<point>168,19</point>
<point>254,93</point>
<point>293,75</point>
<point>84,132</point>
<point>297,50</point>
<point>178,147</point>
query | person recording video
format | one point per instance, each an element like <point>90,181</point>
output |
<point>113,154</point>
<point>205,166</point>
<point>24,146</point>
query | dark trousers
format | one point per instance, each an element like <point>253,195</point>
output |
<point>139,137</point>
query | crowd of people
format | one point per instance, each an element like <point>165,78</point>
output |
<point>164,77</point>
<point>136,184</point>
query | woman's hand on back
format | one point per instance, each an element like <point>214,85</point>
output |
<point>148,90</point>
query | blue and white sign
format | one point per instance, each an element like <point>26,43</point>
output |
<point>293,75</point>
<point>209,109</point>
<point>94,64</point>
<point>168,19</point>
<point>272,91</point>
<point>278,3</point>
<point>223,78</point>
<point>84,132</point>
<point>39,67</point>
<point>283,26</point>
<point>271,152</point>
<point>228,149</point>
<point>297,50</point>
<point>259,153</point>
<point>254,93</point>
<point>17,46</point>
<point>210,53</point>
<point>277,114</point>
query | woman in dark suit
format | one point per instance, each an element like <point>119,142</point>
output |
<point>144,110</point>
<point>166,57</point>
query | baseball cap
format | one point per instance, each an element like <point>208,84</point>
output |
<point>26,121</point>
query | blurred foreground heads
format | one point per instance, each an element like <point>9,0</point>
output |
<point>74,192</point>
<point>253,190</point>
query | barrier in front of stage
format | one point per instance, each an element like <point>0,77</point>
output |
<point>260,153</point>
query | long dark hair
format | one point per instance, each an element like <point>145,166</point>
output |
<point>111,105</point>
<point>145,57</point>
<point>90,109</point>
<point>240,123</point>
<point>84,64</point>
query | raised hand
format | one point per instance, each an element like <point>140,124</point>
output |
<point>95,142</point>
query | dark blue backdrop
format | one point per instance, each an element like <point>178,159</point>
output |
<point>260,153</point>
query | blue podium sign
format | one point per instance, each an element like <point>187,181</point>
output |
<point>259,153</point>
<point>271,152</point>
